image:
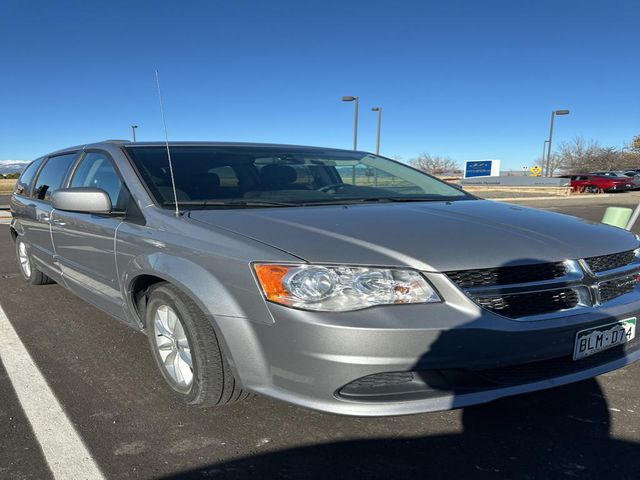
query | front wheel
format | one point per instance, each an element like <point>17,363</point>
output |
<point>29,271</point>
<point>186,350</point>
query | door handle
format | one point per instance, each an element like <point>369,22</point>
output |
<point>58,223</point>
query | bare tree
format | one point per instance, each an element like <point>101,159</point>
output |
<point>632,158</point>
<point>631,153</point>
<point>435,164</point>
<point>583,156</point>
<point>580,155</point>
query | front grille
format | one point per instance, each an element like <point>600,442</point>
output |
<point>558,285</point>
<point>609,262</point>
<point>617,287</point>
<point>488,277</point>
<point>531,303</point>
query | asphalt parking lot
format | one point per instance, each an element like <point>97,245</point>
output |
<point>103,376</point>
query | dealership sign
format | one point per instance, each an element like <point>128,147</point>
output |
<point>481,168</point>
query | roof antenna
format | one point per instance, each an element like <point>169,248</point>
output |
<point>166,138</point>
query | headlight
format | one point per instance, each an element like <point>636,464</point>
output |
<point>341,288</point>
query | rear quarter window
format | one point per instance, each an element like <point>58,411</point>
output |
<point>23,185</point>
<point>52,175</point>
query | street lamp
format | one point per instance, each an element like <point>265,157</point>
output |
<point>355,122</point>
<point>544,151</point>
<point>553,114</point>
<point>133,130</point>
<point>379,110</point>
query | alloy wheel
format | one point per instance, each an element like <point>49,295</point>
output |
<point>23,257</point>
<point>173,347</point>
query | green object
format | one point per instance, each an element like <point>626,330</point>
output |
<point>617,216</point>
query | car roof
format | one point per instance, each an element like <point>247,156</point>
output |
<point>129,143</point>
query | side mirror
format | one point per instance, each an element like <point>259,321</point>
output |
<point>81,199</point>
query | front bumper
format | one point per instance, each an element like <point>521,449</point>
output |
<point>307,358</point>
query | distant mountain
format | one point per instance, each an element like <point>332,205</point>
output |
<point>12,166</point>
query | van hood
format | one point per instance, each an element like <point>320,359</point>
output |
<point>430,236</point>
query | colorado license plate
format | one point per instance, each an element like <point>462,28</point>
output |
<point>597,339</point>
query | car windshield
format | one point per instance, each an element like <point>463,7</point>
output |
<point>238,176</point>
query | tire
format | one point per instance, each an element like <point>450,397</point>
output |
<point>28,269</point>
<point>178,331</point>
<point>591,189</point>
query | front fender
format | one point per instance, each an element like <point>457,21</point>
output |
<point>17,227</point>
<point>241,299</point>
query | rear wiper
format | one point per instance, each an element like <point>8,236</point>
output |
<point>232,203</point>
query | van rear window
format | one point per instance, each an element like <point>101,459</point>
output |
<point>23,185</point>
<point>52,175</point>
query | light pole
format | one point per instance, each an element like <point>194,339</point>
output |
<point>553,114</point>
<point>544,151</point>
<point>355,122</point>
<point>379,110</point>
<point>133,130</point>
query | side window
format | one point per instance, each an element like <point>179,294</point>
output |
<point>52,175</point>
<point>97,171</point>
<point>23,185</point>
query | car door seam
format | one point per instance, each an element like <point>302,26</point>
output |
<point>53,244</point>
<point>115,253</point>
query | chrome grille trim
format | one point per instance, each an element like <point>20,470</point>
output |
<point>612,289</point>
<point>614,272</point>
<point>508,275</point>
<point>573,276</point>
<point>612,261</point>
<point>591,289</point>
<point>546,301</point>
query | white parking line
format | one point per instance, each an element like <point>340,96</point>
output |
<point>66,454</point>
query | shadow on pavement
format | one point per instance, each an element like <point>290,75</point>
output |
<point>558,433</point>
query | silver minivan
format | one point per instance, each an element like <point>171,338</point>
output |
<point>336,280</point>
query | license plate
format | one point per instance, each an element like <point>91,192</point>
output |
<point>594,340</point>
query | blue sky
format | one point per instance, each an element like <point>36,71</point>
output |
<point>468,79</point>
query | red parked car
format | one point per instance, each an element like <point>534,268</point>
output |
<point>594,183</point>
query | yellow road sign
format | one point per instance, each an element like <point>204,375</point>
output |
<point>536,171</point>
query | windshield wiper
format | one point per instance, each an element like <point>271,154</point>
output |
<point>334,201</point>
<point>232,203</point>
<point>346,201</point>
